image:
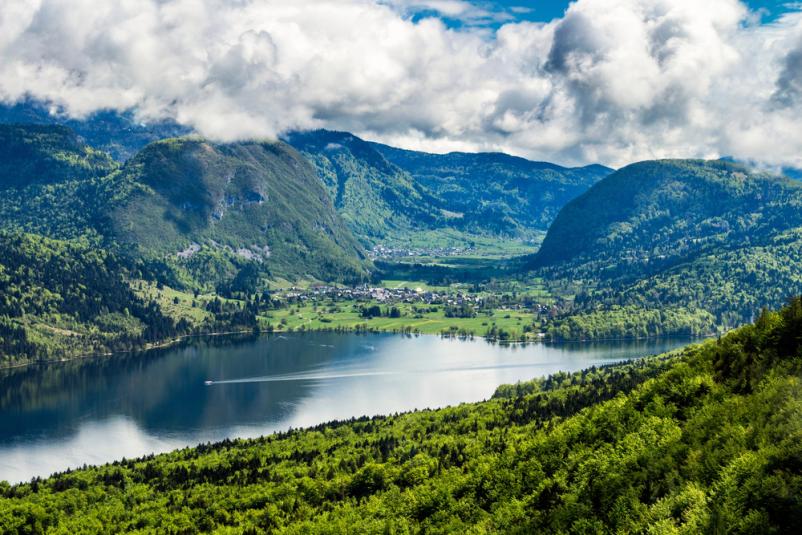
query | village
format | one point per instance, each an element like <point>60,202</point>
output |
<point>380,252</point>
<point>417,295</point>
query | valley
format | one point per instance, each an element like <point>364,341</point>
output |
<point>223,230</point>
<point>173,312</point>
<point>240,288</point>
<point>472,267</point>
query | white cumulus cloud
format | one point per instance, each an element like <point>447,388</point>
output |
<point>613,81</point>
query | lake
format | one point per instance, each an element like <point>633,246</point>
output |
<point>94,411</point>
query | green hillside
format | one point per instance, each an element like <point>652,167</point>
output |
<point>77,229</point>
<point>393,196</point>
<point>654,214</point>
<point>496,192</point>
<point>376,198</point>
<point>257,202</point>
<point>48,179</point>
<point>34,154</point>
<point>222,207</point>
<point>65,298</point>
<point>705,440</point>
<point>697,236</point>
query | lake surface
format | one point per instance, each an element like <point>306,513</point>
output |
<point>94,411</point>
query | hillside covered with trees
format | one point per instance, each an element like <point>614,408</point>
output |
<point>66,298</point>
<point>703,440</point>
<point>386,194</point>
<point>233,205</point>
<point>495,192</point>
<point>78,232</point>
<point>698,237</point>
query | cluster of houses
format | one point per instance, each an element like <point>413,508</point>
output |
<point>386,251</point>
<point>383,295</point>
<point>407,295</point>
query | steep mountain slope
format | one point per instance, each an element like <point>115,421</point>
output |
<point>222,207</point>
<point>496,192</point>
<point>375,197</point>
<point>117,133</point>
<point>388,194</point>
<point>706,440</point>
<point>256,201</point>
<point>704,235</point>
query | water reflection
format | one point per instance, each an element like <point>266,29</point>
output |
<point>88,412</point>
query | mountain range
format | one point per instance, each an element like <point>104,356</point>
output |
<point>385,194</point>
<point>708,241</point>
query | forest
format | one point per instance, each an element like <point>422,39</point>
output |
<point>67,298</point>
<point>703,440</point>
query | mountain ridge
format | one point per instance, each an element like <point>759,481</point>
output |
<point>706,237</point>
<point>381,191</point>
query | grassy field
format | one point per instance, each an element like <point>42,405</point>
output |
<point>176,303</point>
<point>395,284</point>
<point>346,315</point>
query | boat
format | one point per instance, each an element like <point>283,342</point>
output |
<point>207,383</point>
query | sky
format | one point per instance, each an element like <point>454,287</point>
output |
<point>590,81</point>
<point>495,13</point>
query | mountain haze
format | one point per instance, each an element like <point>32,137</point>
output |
<point>117,133</point>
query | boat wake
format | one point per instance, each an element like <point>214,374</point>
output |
<point>341,374</point>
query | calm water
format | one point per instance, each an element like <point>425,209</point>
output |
<point>64,415</point>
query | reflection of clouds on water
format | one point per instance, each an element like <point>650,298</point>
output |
<point>94,443</point>
<point>97,412</point>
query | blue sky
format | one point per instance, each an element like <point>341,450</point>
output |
<point>546,10</point>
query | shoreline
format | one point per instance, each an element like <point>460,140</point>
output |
<point>175,341</point>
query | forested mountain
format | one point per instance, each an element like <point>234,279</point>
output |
<point>210,204</point>
<point>652,214</point>
<point>49,181</point>
<point>383,194</point>
<point>212,209</point>
<point>375,198</point>
<point>117,133</point>
<point>495,192</point>
<point>63,298</point>
<point>382,191</point>
<point>707,235</point>
<point>705,440</point>
<point>47,154</point>
<point>76,229</point>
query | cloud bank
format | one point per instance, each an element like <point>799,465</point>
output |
<point>613,81</point>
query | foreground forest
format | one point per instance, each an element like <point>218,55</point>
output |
<point>703,440</point>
